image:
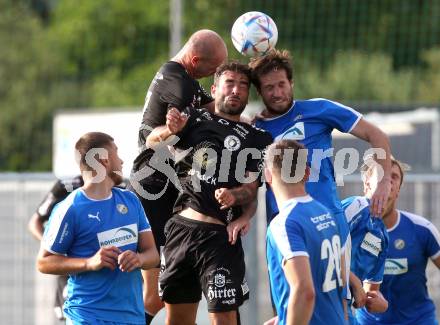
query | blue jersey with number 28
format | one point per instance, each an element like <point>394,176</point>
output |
<point>304,227</point>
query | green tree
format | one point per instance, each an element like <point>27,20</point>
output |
<point>111,47</point>
<point>27,67</point>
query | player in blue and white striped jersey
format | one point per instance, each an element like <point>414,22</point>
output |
<point>100,236</point>
<point>369,245</point>
<point>311,123</point>
<point>413,240</point>
<point>303,245</point>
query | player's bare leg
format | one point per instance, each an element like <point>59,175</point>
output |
<point>181,314</point>
<point>152,303</point>
<point>224,318</point>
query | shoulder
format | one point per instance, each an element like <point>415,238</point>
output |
<point>67,206</point>
<point>172,74</point>
<point>284,217</point>
<point>353,206</point>
<point>72,183</point>
<point>329,105</point>
<point>420,223</point>
<point>124,193</point>
<point>171,67</point>
<point>298,212</point>
<point>262,134</point>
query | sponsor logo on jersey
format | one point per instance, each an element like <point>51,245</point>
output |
<point>221,287</point>
<point>203,177</point>
<point>222,121</point>
<point>399,244</point>
<point>232,143</point>
<point>119,237</point>
<point>206,115</point>
<point>296,132</point>
<point>395,266</point>
<point>372,244</point>
<point>241,131</point>
<point>323,221</point>
<point>93,216</point>
<point>219,280</point>
<point>204,156</point>
<point>64,233</point>
<point>122,208</point>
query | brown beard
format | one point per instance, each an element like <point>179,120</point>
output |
<point>222,107</point>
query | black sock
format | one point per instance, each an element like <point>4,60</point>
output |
<point>148,318</point>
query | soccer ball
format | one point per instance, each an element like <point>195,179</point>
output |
<point>254,33</point>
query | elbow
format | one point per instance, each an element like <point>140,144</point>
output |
<point>30,226</point>
<point>41,265</point>
<point>306,294</point>
<point>156,258</point>
<point>153,259</point>
<point>309,295</point>
<point>381,137</point>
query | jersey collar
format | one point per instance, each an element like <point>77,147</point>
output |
<point>88,198</point>
<point>280,116</point>
<point>396,224</point>
<point>295,200</point>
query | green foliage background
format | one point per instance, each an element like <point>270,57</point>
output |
<point>82,54</point>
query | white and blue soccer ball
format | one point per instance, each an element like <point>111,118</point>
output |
<point>254,33</point>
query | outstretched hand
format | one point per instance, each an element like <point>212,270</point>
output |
<point>380,198</point>
<point>175,120</point>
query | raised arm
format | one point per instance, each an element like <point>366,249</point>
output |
<point>175,122</point>
<point>378,140</point>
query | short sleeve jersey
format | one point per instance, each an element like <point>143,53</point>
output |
<point>369,240</point>
<point>57,193</point>
<point>311,123</point>
<point>79,227</point>
<point>304,227</point>
<point>413,240</point>
<point>220,152</point>
<point>172,86</point>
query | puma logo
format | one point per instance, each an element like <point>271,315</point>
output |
<point>91,216</point>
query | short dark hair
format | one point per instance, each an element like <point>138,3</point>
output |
<point>273,61</point>
<point>282,151</point>
<point>90,141</point>
<point>234,66</point>
<point>367,168</point>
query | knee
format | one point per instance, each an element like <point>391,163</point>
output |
<point>224,318</point>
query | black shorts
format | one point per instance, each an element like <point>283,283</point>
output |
<point>198,257</point>
<point>159,210</point>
